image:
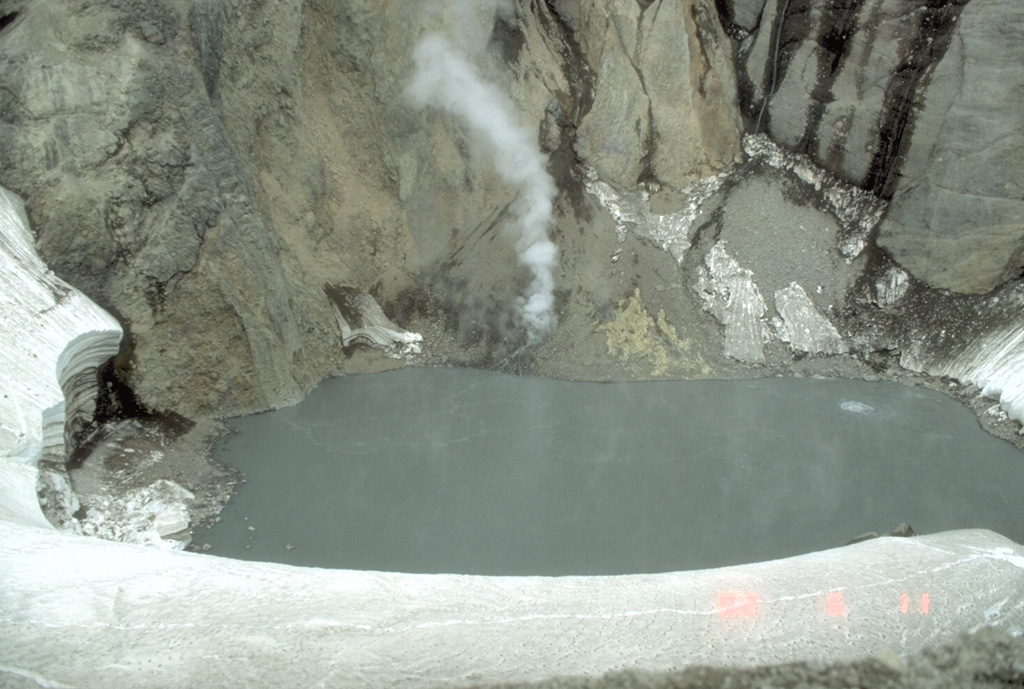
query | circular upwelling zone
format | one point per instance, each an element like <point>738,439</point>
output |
<point>473,472</point>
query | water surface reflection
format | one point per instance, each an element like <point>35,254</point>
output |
<point>447,470</point>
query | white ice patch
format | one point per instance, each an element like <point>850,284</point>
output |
<point>856,407</point>
<point>803,326</point>
<point>891,286</point>
<point>994,361</point>
<point>727,291</point>
<point>671,232</point>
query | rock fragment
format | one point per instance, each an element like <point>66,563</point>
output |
<point>362,321</point>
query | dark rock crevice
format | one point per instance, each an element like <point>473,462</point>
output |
<point>935,23</point>
<point>789,29</point>
<point>508,39</point>
<point>576,68</point>
<point>566,110</point>
<point>7,17</point>
<point>833,40</point>
<point>207,22</point>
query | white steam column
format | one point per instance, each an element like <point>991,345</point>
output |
<point>443,78</point>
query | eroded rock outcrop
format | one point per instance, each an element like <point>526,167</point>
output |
<point>957,218</point>
<point>202,168</point>
<point>663,107</point>
<point>914,101</point>
<point>137,198</point>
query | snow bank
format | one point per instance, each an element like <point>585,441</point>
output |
<point>993,361</point>
<point>51,333</point>
<point>89,613</point>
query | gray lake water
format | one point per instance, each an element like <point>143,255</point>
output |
<point>474,472</point>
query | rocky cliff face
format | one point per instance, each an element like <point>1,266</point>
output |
<point>138,198</point>
<point>915,101</point>
<point>203,169</point>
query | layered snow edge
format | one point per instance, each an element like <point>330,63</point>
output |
<point>53,340</point>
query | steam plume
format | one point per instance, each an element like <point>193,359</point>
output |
<point>444,79</point>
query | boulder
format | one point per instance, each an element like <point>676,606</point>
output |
<point>803,326</point>
<point>957,217</point>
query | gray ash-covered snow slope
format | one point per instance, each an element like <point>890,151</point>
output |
<point>84,612</point>
<point>143,618</point>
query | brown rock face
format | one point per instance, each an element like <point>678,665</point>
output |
<point>202,168</point>
<point>664,108</point>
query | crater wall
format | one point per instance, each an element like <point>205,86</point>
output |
<point>204,169</point>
